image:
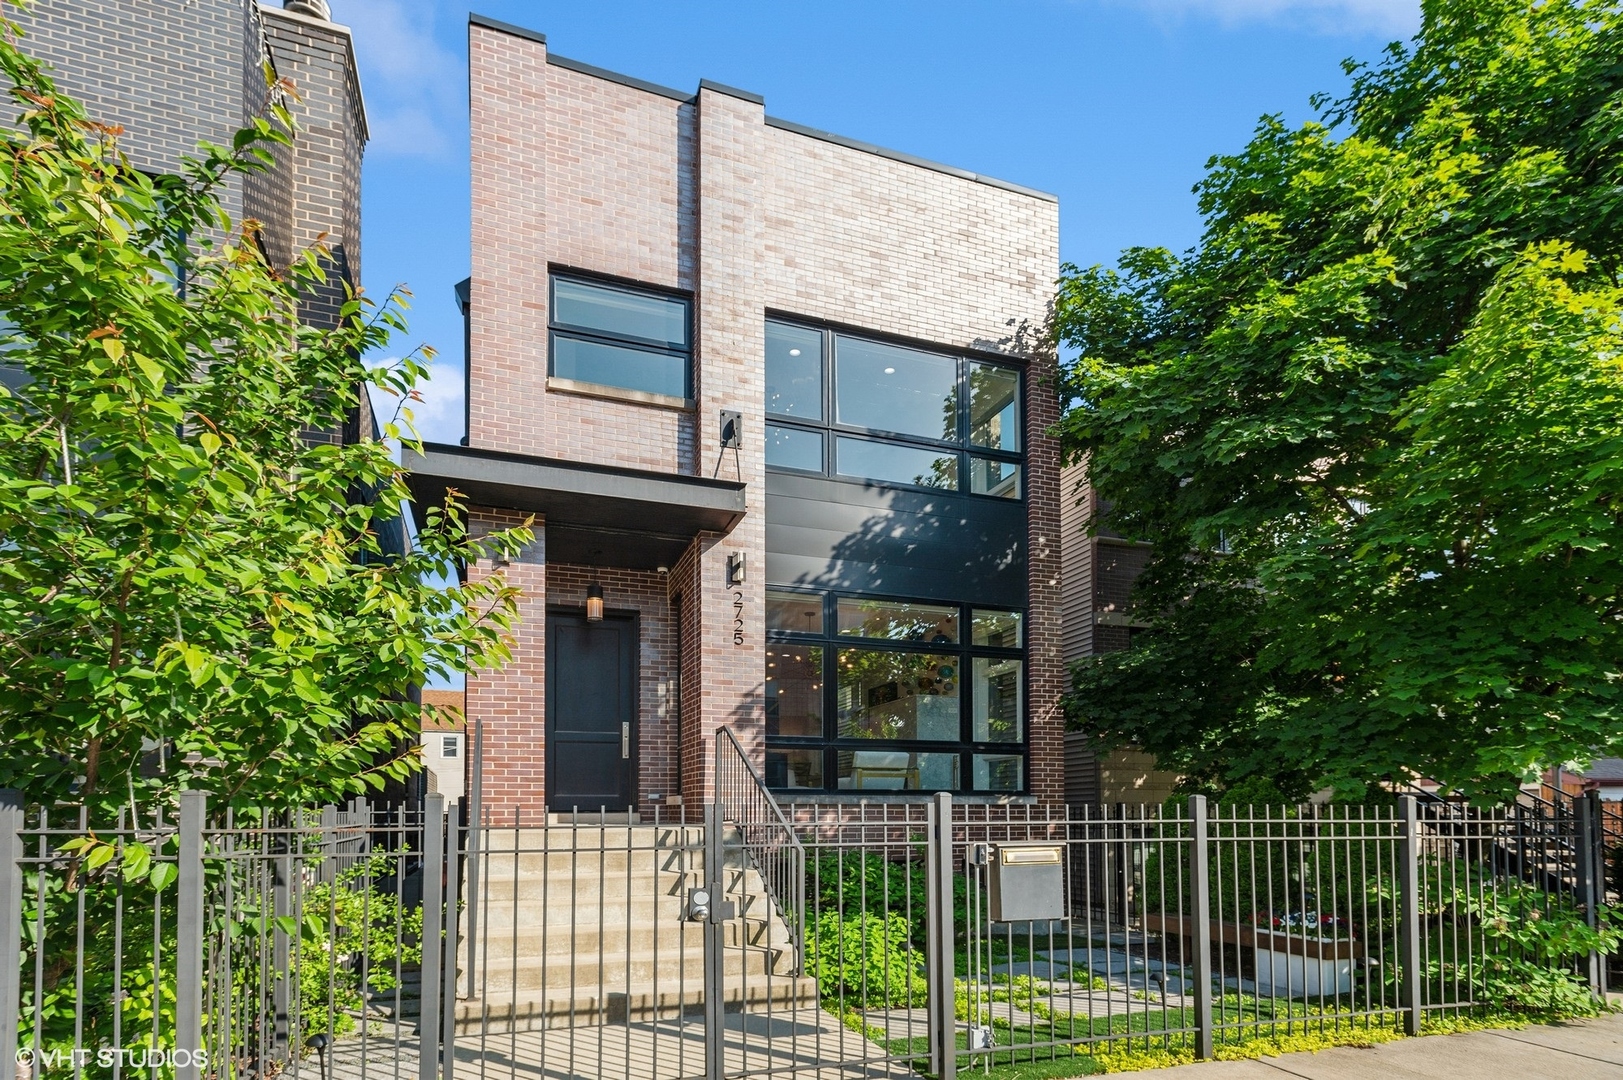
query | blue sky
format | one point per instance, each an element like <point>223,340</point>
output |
<point>1113,105</point>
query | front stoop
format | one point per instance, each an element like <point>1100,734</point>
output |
<point>583,926</point>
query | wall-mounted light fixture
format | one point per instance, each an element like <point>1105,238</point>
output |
<point>594,603</point>
<point>735,568</point>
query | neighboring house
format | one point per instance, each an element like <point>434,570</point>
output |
<point>443,744</point>
<point>174,73</point>
<point>1604,775</point>
<point>1100,567</point>
<point>777,403</point>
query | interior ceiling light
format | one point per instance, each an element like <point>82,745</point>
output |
<point>794,352</point>
<point>890,371</point>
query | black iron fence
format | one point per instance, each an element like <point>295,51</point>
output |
<point>841,938</point>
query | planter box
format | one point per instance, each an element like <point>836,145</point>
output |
<point>1288,965</point>
<point>1291,974</point>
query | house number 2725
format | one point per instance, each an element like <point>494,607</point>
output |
<point>738,618</point>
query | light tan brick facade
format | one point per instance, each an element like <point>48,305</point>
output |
<point>701,194</point>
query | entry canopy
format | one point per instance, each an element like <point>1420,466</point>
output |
<point>596,515</point>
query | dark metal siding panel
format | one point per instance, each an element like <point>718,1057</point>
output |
<point>1077,556</point>
<point>858,537</point>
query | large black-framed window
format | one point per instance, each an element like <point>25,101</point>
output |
<point>875,694</point>
<point>844,405</point>
<point>609,334</point>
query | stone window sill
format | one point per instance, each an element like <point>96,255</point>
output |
<point>616,393</point>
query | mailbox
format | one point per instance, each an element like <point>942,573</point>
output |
<point>1028,883</point>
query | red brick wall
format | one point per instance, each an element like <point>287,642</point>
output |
<point>1045,664</point>
<point>579,172</point>
<point>730,375</point>
<point>880,244</point>
<point>509,702</point>
<point>690,646</point>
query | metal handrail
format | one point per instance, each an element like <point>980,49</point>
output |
<point>794,878</point>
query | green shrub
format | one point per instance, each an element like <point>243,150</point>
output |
<point>849,882</point>
<point>866,956</point>
<point>1533,940</point>
<point>351,931</point>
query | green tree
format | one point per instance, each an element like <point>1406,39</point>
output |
<point>1373,424</point>
<point>178,567</point>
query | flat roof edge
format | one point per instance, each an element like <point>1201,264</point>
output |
<point>476,19</point>
<point>732,91</point>
<point>907,159</point>
<point>615,77</point>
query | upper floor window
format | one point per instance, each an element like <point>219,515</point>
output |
<point>844,405</point>
<point>614,335</point>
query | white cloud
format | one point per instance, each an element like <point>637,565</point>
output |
<point>414,87</point>
<point>1394,18</point>
<point>441,415</point>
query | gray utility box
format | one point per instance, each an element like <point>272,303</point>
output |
<point>1028,882</point>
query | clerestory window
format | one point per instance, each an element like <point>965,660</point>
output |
<point>848,406</point>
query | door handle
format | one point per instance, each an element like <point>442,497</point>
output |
<point>625,741</point>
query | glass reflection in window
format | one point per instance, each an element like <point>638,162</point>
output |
<point>995,629</point>
<point>620,312</point>
<point>794,690</point>
<point>997,772</point>
<point>890,695</point>
<point>791,768</point>
<point>889,388</point>
<point>797,613</point>
<point>995,694</point>
<point>794,371</point>
<point>896,770</point>
<point>605,364</point>
<point>892,620</point>
<point>994,407</point>
<point>870,460</point>
<point>794,448</point>
<point>989,477</point>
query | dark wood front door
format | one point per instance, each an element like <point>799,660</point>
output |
<point>591,712</point>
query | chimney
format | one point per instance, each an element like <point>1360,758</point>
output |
<point>316,9</point>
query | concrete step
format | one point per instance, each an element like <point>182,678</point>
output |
<point>590,837</point>
<point>560,904</point>
<point>518,1013</point>
<point>532,943</point>
<point>585,925</point>
<point>558,892</point>
<point>636,971</point>
<point>496,865</point>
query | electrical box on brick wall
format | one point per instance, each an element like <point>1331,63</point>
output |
<point>1028,882</point>
<point>443,762</point>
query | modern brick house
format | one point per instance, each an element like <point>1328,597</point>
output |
<point>777,403</point>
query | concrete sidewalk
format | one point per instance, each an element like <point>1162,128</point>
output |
<point>1581,1050</point>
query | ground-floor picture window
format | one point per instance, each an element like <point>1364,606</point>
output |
<point>881,694</point>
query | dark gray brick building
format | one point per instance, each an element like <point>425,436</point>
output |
<point>175,73</point>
